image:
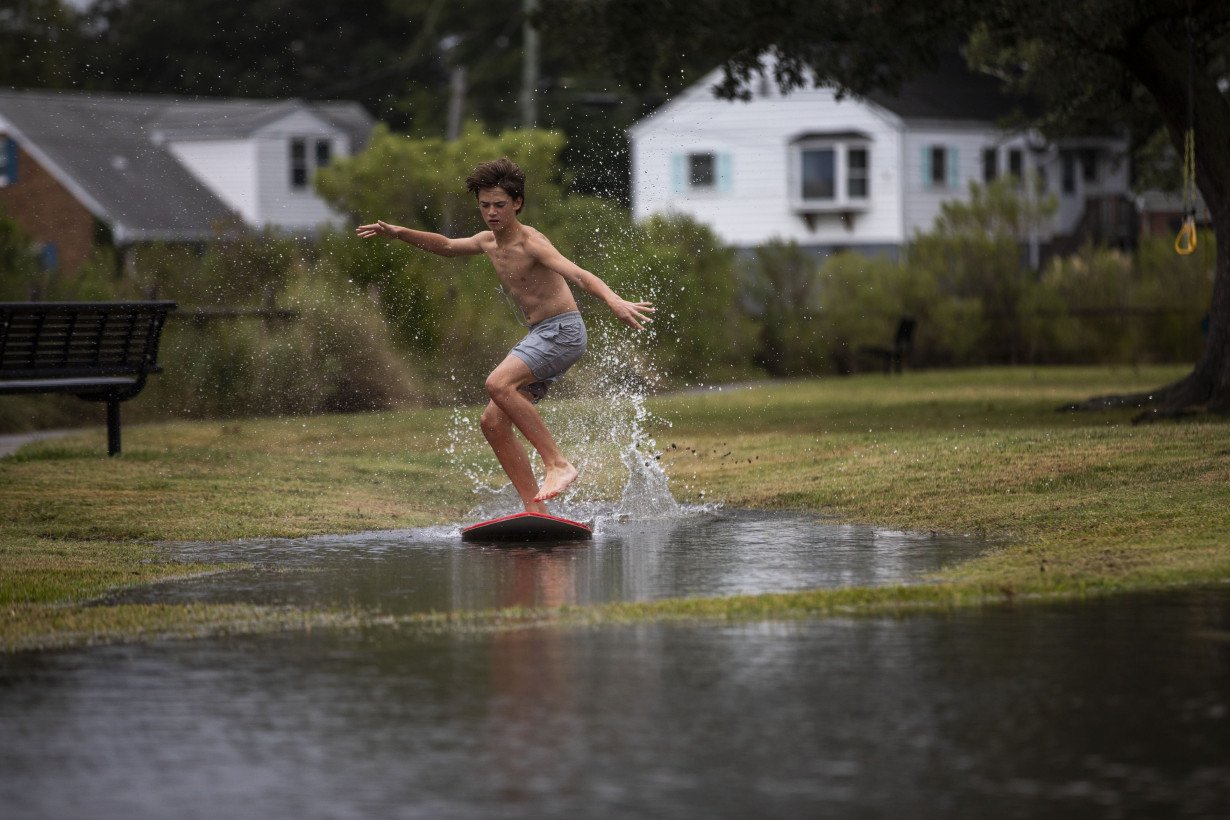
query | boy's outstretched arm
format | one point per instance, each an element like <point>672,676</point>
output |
<point>436,243</point>
<point>632,314</point>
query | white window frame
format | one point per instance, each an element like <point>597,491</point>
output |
<point>311,159</point>
<point>841,148</point>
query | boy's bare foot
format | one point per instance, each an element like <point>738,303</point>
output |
<point>556,481</point>
<point>536,507</point>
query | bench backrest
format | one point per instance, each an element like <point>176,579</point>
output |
<point>49,339</point>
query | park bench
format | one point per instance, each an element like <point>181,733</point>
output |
<point>98,351</point>
<point>894,355</point>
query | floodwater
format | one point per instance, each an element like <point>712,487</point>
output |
<point>1106,708</point>
<point>696,552</point>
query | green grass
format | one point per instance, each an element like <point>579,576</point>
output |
<point>1078,503</point>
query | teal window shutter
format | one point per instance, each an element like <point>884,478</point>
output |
<point>926,167</point>
<point>9,171</point>
<point>679,173</point>
<point>954,177</point>
<point>724,180</point>
<point>49,256</point>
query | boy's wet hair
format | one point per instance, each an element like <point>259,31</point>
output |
<point>500,173</point>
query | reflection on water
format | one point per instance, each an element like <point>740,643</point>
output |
<point>705,553</point>
<point>1108,708</point>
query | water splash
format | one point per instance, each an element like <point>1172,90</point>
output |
<point>601,422</point>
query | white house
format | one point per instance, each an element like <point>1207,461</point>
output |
<point>858,173</point>
<point>155,168</point>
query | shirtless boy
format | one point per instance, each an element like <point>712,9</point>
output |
<point>536,276</point>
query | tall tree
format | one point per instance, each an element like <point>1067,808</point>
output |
<point>1106,62</point>
<point>374,51</point>
<point>39,41</point>
<point>394,56</point>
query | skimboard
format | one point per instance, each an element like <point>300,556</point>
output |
<point>527,527</point>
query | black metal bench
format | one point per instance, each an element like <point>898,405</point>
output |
<point>98,351</point>
<point>894,355</point>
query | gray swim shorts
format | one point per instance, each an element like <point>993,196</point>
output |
<point>549,349</point>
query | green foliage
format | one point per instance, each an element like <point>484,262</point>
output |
<point>19,268</point>
<point>700,332</point>
<point>975,253</point>
<point>863,299</point>
<point>375,52</point>
<point>783,289</point>
<point>975,299</point>
<point>1110,307</point>
<point>421,180</point>
<point>450,310</point>
<point>40,42</point>
<point>338,355</point>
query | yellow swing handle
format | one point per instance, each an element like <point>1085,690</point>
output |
<point>1185,242</point>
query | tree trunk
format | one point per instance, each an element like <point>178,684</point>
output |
<point>1163,71</point>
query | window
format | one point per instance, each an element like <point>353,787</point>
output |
<point>1016,164</point>
<point>938,176</point>
<point>831,171</point>
<point>1068,161</point>
<point>702,170</point>
<point>940,169</point>
<point>298,164</point>
<point>307,157</point>
<point>1089,165</point>
<point>990,164</point>
<point>8,161</point>
<point>819,169</point>
<point>857,183</point>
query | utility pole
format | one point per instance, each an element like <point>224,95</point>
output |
<point>456,102</point>
<point>529,66</point>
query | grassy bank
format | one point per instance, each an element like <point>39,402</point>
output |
<point>1078,502</point>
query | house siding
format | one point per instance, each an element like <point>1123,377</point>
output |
<point>278,203</point>
<point>752,205</point>
<point>923,199</point>
<point>225,167</point>
<point>1112,179</point>
<point>752,141</point>
<point>48,212</point>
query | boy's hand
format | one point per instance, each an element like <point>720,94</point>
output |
<point>377,228</point>
<point>633,313</point>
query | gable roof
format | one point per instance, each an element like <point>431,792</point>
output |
<point>952,92</point>
<point>949,93</point>
<point>109,150</point>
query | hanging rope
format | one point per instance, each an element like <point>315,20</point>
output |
<point>1185,243</point>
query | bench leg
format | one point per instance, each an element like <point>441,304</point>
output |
<point>113,427</point>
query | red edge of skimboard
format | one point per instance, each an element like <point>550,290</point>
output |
<point>482,529</point>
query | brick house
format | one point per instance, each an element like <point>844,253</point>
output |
<point>80,169</point>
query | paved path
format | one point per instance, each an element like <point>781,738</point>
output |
<point>9,444</point>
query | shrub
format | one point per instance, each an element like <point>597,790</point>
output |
<point>337,356</point>
<point>1107,306</point>
<point>19,269</point>
<point>783,291</point>
<point>975,254</point>
<point>451,314</point>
